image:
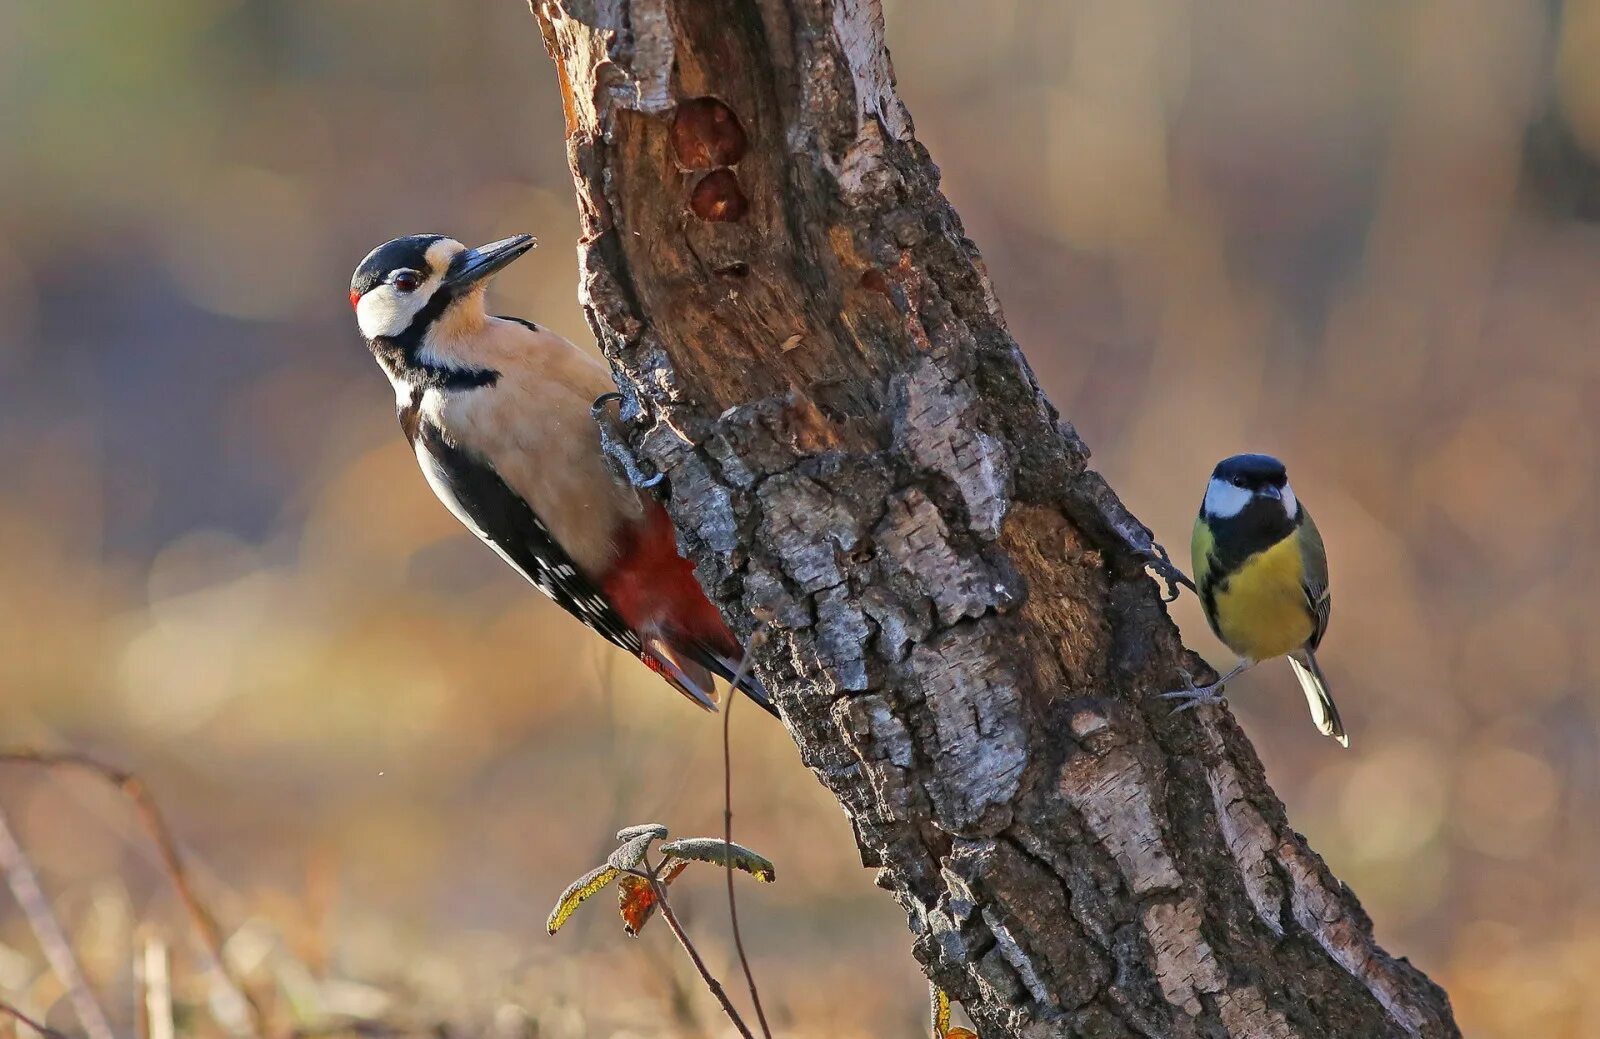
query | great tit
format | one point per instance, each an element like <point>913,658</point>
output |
<point>1263,579</point>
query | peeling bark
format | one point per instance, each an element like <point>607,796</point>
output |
<point>964,640</point>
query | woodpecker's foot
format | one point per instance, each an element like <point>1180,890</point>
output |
<point>1196,696</point>
<point>1157,559</point>
<point>616,449</point>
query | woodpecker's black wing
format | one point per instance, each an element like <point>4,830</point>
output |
<point>472,490</point>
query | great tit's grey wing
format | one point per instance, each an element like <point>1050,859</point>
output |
<point>1202,556</point>
<point>1314,576</point>
<point>470,488</point>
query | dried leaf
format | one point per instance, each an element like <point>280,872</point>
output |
<point>636,900</point>
<point>577,893</point>
<point>961,1033</point>
<point>628,833</point>
<point>631,853</point>
<point>717,852</point>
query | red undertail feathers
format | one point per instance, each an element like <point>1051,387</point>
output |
<point>685,639</point>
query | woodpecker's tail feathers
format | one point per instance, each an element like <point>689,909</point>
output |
<point>749,684</point>
<point>689,670</point>
<point>686,676</point>
<point>1323,711</point>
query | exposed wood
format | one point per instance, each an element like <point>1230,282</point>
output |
<point>964,641</point>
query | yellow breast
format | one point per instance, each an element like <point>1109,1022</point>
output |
<point>1260,609</point>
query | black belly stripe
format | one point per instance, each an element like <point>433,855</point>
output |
<point>1255,528</point>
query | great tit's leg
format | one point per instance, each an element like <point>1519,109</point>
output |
<point>614,447</point>
<point>1196,696</point>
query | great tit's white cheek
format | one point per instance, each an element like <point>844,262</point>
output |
<point>1291,504</point>
<point>1223,499</point>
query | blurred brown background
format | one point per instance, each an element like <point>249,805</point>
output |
<point>1352,234</point>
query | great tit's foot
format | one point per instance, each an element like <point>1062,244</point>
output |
<point>1204,696</point>
<point>1196,696</point>
<point>616,448</point>
<point>1158,560</point>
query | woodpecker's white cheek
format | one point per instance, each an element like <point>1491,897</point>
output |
<point>1291,504</point>
<point>1223,499</point>
<point>387,312</point>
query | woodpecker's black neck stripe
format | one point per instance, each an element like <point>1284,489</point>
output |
<point>401,354</point>
<point>406,367</point>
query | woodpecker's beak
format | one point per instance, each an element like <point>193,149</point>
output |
<point>474,265</point>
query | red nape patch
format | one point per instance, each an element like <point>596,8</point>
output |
<point>654,588</point>
<point>355,299</point>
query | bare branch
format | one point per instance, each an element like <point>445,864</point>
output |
<point>727,830</point>
<point>252,1020</point>
<point>694,957</point>
<point>43,1029</point>
<point>24,883</point>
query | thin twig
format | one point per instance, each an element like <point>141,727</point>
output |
<point>727,829</point>
<point>43,1029</point>
<point>155,826</point>
<point>47,929</point>
<point>694,955</point>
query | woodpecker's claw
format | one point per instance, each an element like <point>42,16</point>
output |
<point>618,451</point>
<point>1158,560</point>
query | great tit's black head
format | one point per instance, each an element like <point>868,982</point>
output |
<point>1238,481</point>
<point>407,283</point>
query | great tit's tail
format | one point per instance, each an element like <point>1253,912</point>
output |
<point>1323,711</point>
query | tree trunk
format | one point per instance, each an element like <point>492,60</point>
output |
<point>963,638</point>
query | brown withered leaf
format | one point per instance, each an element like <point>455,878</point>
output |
<point>636,900</point>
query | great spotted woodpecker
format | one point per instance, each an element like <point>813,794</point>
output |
<point>497,410</point>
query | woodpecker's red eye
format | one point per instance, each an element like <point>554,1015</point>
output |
<point>407,281</point>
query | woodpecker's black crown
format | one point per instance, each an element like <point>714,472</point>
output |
<point>1252,472</point>
<point>408,253</point>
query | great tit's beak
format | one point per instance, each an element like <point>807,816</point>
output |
<point>1270,491</point>
<point>474,265</point>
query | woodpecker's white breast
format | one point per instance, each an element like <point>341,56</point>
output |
<point>533,426</point>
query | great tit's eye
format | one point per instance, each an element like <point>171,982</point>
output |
<point>406,281</point>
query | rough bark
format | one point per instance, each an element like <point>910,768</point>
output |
<point>964,641</point>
